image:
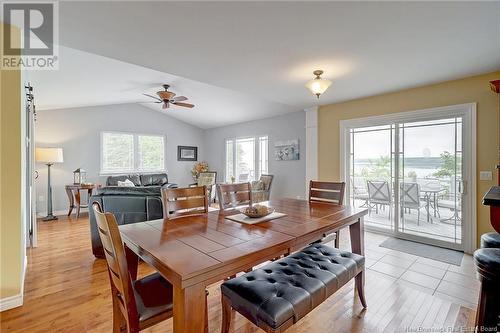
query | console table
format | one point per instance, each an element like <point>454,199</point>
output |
<point>73,192</point>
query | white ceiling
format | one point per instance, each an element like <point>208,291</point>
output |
<point>268,50</point>
<point>86,79</point>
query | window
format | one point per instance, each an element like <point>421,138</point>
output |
<point>128,152</point>
<point>246,158</point>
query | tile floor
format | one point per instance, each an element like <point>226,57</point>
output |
<point>458,284</point>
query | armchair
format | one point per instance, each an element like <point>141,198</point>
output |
<point>261,189</point>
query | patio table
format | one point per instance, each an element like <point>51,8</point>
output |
<point>431,192</point>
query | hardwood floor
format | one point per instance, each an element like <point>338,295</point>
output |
<point>67,290</point>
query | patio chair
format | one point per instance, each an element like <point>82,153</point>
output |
<point>359,190</point>
<point>410,198</point>
<point>379,194</point>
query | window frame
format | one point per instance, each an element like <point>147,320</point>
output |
<point>135,147</point>
<point>257,157</point>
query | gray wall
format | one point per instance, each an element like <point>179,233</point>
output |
<point>78,130</point>
<point>289,180</point>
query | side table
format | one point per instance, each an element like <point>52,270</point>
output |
<point>73,192</point>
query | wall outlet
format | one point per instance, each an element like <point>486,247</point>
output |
<point>485,175</point>
<point>41,198</point>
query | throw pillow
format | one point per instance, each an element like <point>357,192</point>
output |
<point>126,183</point>
<point>258,185</point>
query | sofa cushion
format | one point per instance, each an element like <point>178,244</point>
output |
<point>113,180</point>
<point>154,179</point>
<point>131,191</point>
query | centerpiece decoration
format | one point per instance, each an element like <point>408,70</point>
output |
<point>257,211</point>
<point>198,168</point>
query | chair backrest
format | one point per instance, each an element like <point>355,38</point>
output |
<point>379,191</point>
<point>232,195</point>
<point>119,276</point>
<point>179,202</point>
<point>429,183</point>
<point>410,194</point>
<point>267,180</point>
<point>330,192</point>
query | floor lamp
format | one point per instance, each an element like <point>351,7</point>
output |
<point>49,156</point>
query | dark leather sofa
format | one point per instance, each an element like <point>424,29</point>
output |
<point>128,204</point>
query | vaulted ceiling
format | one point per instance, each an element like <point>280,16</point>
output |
<point>260,54</point>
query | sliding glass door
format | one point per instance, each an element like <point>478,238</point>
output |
<point>372,173</point>
<point>430,177</point>
<point>408,171</point>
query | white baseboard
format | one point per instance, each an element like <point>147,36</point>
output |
<point>15,301</point>
<point>11,302</point>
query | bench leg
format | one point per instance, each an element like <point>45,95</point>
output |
<point>360,287</point>
<point>226,314</point>
<point>337,239</point>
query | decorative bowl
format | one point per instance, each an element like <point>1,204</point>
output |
<point>257,211</point>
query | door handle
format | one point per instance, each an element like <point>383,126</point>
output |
<point>462,188</point>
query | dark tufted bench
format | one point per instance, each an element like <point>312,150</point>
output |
<point>277,295</point>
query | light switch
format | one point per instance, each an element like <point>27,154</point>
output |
<point>485,175</point>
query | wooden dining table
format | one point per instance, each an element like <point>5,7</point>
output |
<point>193,252</point>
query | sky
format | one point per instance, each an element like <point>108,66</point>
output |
<point>427,141</point>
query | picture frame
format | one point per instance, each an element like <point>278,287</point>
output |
<point>187,153</point>
<point>287,150</point>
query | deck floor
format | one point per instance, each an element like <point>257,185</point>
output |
<point>443,226</point>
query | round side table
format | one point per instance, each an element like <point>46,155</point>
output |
<point>73,192</point>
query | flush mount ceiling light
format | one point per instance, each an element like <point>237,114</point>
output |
<point>318,85</point>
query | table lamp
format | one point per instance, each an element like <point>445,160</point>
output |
<point>49,156</point>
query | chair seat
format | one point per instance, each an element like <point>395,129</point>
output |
<point>291,287</point>
<point>154,298</point>
<point>490,240</point>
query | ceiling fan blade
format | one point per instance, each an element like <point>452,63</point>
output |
<point>180,98</point>
<point>186,105</point>
<point>160,101</point>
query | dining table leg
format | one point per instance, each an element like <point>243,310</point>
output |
<point>189,309</point>
<point>357,233</point>
<point>132,262</point>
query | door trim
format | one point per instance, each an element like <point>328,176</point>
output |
<point>468,112</point>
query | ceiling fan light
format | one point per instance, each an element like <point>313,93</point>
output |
<point>318,85</point>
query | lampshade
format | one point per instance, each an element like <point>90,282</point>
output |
<point>49,155</point>
<point>318,85</point>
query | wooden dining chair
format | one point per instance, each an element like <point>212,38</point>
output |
<point>327,192</point>
<point>137,304</point>
<point>179,202</point>
<point>232,195</point>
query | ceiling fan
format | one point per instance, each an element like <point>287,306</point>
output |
<point>167,97</point>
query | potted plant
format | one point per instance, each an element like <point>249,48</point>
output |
<point>198,168</point>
